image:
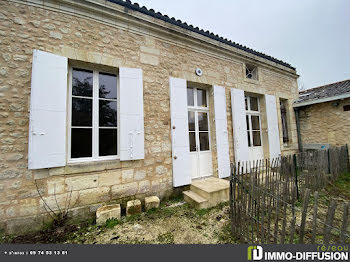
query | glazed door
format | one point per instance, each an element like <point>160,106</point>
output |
<point>253,118</point>
<point>199,134</point>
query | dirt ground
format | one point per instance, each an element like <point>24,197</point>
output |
<point>175,222</point>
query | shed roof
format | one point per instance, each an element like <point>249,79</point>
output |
<point>324,93</point>
<point>179,23</point>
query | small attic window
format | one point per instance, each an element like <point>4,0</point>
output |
<point>251,72</point>
<point>347,108</point>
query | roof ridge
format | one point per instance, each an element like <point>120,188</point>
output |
<point>310,89</point>
<point>136,7</point>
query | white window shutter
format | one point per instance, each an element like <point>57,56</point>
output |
<point>272,126</point>
<point>179,132</point>
<point>240,136</point>
<point>48,105</point>
<point>222,145</point>
<point>131,114</point>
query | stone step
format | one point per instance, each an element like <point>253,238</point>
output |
<point>215,190</point>
<point>195,200</point>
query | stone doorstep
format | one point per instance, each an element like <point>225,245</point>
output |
<point>207,192</point>
<point>151,202</point>
<point>133,207</point>
<point>107,212</point>
<point>195,200</point>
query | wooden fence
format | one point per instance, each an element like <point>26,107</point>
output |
<point>278,200</point>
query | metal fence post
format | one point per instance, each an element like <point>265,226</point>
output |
<point>296,174</point>
<point>329,161</point>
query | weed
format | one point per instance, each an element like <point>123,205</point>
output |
<point>111,223</point>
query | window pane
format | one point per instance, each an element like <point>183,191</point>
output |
<point>82,83</point>
<point>108,86</point>
<point>204,141</point>
<point>255,123</point>
<point>249,143</point>
<point>201,98</point>
<point>190,97</point>
<point>246,103</point>
<point>203,121</point>
<point>81,112</point>
<point>81,144</point>
<point>108,113</point>
<point>108,142</point>
<point>191,121</point>
<point>256,138</point>
<point>248,124</point>
<point>254,104</point>
<point>192,142</point>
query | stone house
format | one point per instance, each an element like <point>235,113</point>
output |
<point>324,116</point>
<point>108,101</point>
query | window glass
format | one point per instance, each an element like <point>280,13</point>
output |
<point>192,142</point>
<point>254,106</point>
<point>201,98</point>
<point>255,122</point>
<point>256,138</point>
<point>246,103</point>
<point>107,86</point>
<point>82,83</point>
<point>99,136</point>
<point>81,112</point>
<point>81,142</point>
<point>108,142</point>
<point>203,121</point>
<point>191,121</point>
<point>108,113</point>
<point>190,96</point>
<point>204,141</point>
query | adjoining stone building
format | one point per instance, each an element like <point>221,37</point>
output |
<point>108,101</point>
<point>324,116</point>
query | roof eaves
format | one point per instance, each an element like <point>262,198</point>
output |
<point>184,25</point>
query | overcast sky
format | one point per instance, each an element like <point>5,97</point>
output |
<point>311,35</point>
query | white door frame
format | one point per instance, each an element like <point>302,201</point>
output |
<point>197,109</point>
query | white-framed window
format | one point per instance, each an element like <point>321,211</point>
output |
<point>198,119</point>
<point>93,115</point>
<point>284,120</point>
<point>253,118</point>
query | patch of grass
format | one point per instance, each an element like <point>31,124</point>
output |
<point>225,236</point>
<point>111,223</point>
<point>341,186</point>
<point>166,238</point>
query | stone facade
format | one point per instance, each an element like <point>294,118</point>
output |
<point>101,39</point>
<point>325,123</point>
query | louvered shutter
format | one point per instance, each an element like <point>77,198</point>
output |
<point>240,136</point>
<point>272,126</point>
<point>48,105</point>
<point>222,145</point>
<point>131,114</point>
<point>179,132</point>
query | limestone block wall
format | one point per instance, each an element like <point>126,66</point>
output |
<point>325,123</point>
<point>23,28</point>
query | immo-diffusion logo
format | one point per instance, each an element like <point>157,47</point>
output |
<point>331,253</point>
<point>255,253</point>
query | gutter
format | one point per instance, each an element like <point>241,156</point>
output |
<point>322,100</point>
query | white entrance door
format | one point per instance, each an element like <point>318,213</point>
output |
<point>253,118</point>
<point>199,136</point>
